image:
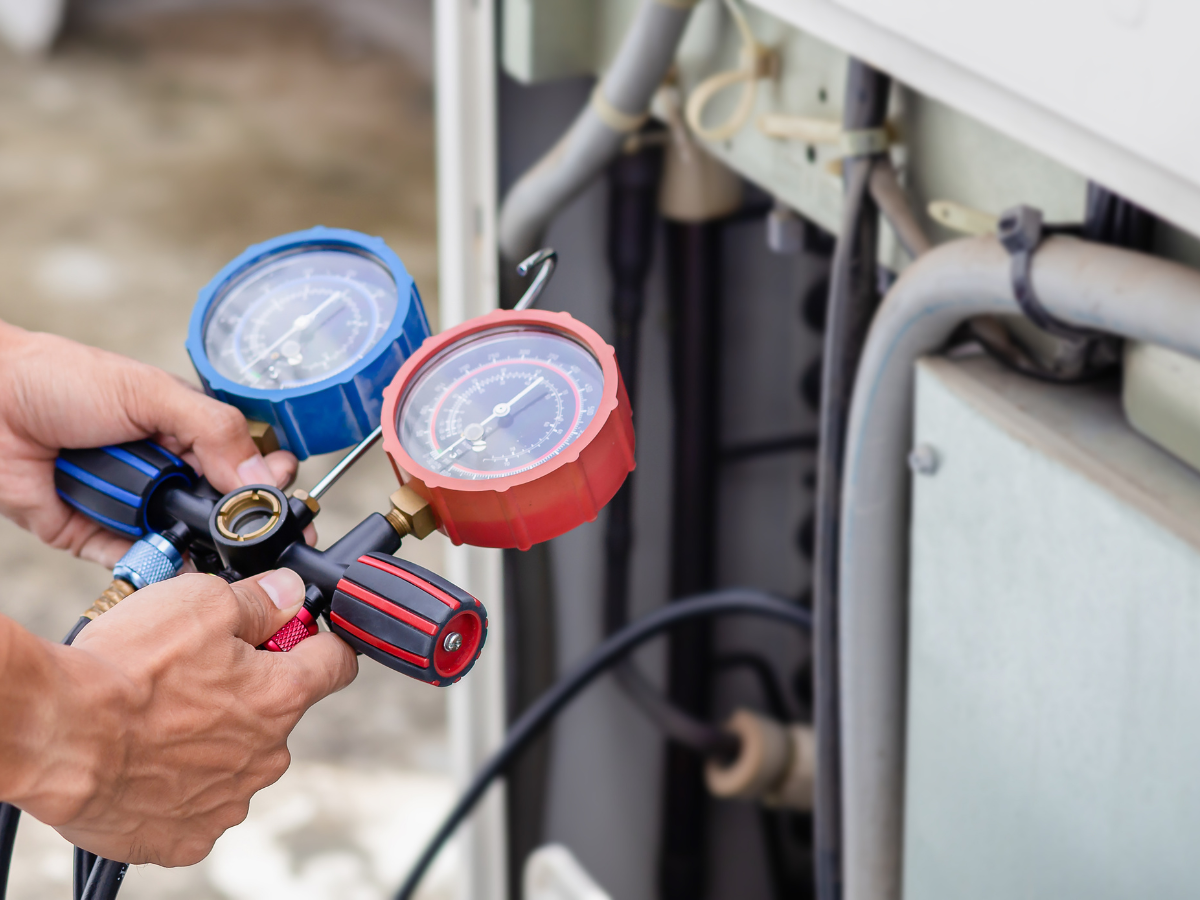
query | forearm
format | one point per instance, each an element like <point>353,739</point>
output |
<point>52,717</point>
<point>27,708</point>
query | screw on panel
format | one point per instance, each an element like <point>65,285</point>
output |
<point>452,642</point>
<point>924,459</point>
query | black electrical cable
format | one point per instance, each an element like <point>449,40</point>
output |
<point>764,673</point>
<point>694,733</point>
<point>105,880</point>
<point>632,224</point>
<point>74,632</point>
<point>768,447</point>
<point>10,817</point>
<point>614,648</point>
<point>852,301</point>
<point>82,866</point>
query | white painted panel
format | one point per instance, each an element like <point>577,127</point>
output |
<point>1124,69</point>
<point>1065,77</point>
<point>1054,670</point>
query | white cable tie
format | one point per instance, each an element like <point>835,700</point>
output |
<point>808,129</point>
<point>618,120</point>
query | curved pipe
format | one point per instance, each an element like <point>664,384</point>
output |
<point>1104,288</point>
<point>617,108</point>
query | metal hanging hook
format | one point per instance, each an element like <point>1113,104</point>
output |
<point>548,259</point>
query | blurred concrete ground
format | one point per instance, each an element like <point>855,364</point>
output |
<point>136,160</point>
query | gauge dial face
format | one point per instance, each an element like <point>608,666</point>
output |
<point>299,318</point>
<point>499,403</point>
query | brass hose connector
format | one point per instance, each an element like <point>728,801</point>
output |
<point>113,594</point>
<point>411,514</point>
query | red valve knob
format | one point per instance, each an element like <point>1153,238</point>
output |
<point>300,626</point>
<point>408,618</point>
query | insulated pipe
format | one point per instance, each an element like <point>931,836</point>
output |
<point>1103,288</point>
<point>893,202</point>
<point>853,298</point>
<point>617,108</point>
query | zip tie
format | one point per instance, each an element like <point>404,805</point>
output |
<point>617,120</point>
<point>755,62</point>
<point>1021,233</point>
<point>864,141</point>
<point>808,129</point>
<point>962,219</point>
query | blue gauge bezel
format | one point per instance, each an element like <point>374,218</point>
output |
<point>288,409</point>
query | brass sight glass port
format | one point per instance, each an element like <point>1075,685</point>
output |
<point>248,514</point>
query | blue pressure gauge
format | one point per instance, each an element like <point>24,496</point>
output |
<point>305,331</point>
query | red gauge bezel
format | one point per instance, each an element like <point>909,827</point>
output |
<point>545,501</point>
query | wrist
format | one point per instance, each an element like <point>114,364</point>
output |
<point>64,706</point>
<point>26,709</point>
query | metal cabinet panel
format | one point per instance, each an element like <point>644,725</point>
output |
<point>1054,665</point>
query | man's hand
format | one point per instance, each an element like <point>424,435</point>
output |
<point>55,393</point>
<point>163,719</point>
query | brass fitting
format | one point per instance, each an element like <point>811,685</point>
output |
<point>411,514</point>
<point>253,501</point>
<point>310,502</point>
<point>113,594</point>
<point>264,437</point>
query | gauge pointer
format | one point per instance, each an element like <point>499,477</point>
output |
<point>300,323</point>
<point>500,410</point>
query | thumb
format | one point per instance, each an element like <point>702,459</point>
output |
<point>266,603</point>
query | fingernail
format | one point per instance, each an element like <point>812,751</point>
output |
<point>284,587</point>
<point>255,471</point>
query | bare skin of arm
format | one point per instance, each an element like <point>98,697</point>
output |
<point>144,740</point>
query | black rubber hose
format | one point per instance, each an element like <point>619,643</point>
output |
<point>105,880</point>
<point>10,817</point>
<point>614,648</point>
<point>683,728</point>
<point>83,863</point>
<point>852,301</point>
<point>74,632</point>
<point>768,680</point>
<point>632,224</point>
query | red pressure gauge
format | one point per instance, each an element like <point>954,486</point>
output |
<point>515,426</point>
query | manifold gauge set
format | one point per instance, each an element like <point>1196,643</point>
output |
<point>503,431</point>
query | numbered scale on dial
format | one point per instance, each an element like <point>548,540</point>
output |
<point>501,403</point>
<point>515,426</point>
<point>299,318</point>
<point>304,331</point>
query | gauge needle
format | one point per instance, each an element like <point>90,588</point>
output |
<point>499,411</point>
<point>300,323</point>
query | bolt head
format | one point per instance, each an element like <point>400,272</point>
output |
<point>452,642</point>
<point>924,459</point>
